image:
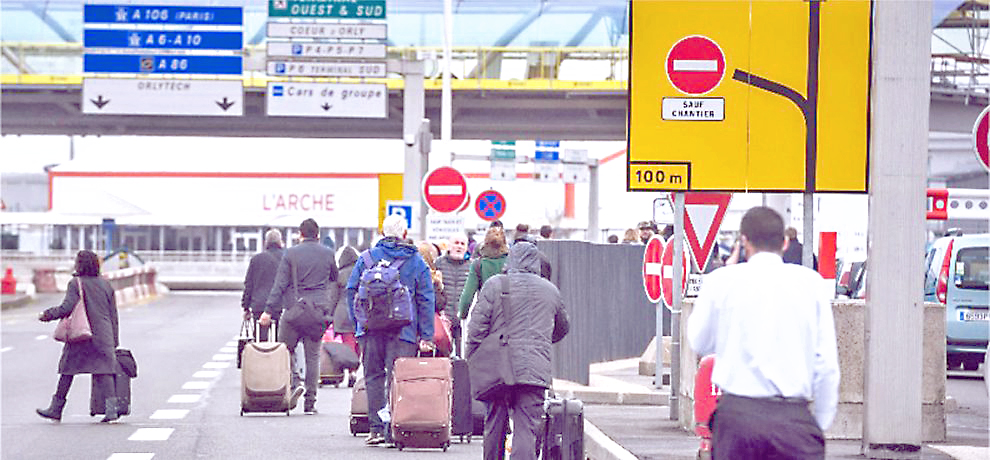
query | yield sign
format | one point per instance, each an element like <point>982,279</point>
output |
<point>695,65</point>
<point>445,189</point>
<point>653,269</point>
<point>667,269</point>
<point>703,213</point>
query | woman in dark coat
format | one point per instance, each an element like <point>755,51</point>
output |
<point>97,355</point>
<point>342,324</point>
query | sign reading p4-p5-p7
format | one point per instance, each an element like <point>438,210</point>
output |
<point>749,95</point>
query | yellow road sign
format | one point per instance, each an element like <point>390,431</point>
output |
<point>749,95</point>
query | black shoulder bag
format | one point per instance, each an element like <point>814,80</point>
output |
<point>303,315</point>
<point>491,363</point>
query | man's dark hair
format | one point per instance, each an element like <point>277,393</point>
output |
<point>496,223</point>
<point>522,229</point>
<point>613,238</point>
<point>546,231</point>
<point>764,229</point>
<point>309,229</point>
<point>87,263</point>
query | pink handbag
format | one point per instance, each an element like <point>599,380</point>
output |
<point>75,327</point>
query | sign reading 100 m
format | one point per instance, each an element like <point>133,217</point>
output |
<point>316,9</point>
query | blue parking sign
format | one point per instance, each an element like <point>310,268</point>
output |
<point>402,209</point>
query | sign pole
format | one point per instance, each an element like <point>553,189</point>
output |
<point>413,112</point>
<point>658,373</point>
<point>807,250</point>
<point>675,312</point>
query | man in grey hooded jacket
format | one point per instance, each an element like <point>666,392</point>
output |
<point>534,319</point>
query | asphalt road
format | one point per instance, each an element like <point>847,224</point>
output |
<point>185,401</point>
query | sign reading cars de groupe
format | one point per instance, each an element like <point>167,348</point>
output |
<point>341,100</point>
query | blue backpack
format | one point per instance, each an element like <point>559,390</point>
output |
<point>382,302</point>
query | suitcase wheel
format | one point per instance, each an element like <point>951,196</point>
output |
<point>399,445</point>
<point>445,446</point>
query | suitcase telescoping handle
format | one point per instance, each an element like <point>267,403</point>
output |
<point>272,330</point>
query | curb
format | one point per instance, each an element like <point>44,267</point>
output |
<point>14,300</point>
<point>613,398</point>
<point>598,446</point>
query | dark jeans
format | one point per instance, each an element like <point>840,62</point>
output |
<point>749,428</point>
<point>379,353</point>
<point>525,403</point>
<point>311,353</point>
<point>103,381</point>
<point>455,337</point>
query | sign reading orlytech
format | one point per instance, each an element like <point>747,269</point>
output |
<point>327,9</point>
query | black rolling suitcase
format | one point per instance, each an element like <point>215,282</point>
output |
<point>122,386</point>
<point>468,417</point>
<point>564,429</point>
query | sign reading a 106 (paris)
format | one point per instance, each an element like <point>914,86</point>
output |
<point>749,96</point>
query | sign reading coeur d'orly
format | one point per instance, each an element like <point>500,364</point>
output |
<point>749,96</point>
<point>327,9</point>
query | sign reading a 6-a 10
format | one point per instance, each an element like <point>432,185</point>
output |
<point>327,9</point>
<point>749,95</point>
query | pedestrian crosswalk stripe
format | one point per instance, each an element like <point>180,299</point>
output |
<point>169,414</point>
<point>195,385</point>
<point>151,434</point>
<point>131,456</point>
<point>223,357</point>
<point>215,365</point>
<point>228,350</point>
<point>183,399</point>
<point>206,374</point>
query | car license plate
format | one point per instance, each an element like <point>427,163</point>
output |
<point>971,315</point>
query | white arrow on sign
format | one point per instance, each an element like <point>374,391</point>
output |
<point>146,96</point>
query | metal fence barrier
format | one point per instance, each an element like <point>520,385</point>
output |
<point>610,316</point>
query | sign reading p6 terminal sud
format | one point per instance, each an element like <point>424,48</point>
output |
<point>749,95</point>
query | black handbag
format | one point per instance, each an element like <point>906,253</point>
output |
<point>125,359</point>
<point>305,316</point>
<point>491,363</point>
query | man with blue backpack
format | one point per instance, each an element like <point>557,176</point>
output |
<point>390,298</point>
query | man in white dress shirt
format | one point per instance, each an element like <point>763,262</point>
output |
<point>770,327</point>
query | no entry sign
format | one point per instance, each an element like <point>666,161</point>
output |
<point>981,130</point>
<point>490,205</point>
<point>652,269</point>
<point>695,65</point>
<point>667,269</point>
<point>445,189</point>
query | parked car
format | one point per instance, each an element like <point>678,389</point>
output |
<point>957,274</point>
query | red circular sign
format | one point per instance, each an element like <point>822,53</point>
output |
<point>695,65</point>
<point>445,189</point>
<point>652,269</point>
<point>667,268</point>
<point>981,131</point>
<point>490,205</point>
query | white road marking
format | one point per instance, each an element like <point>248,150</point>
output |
<point>695,65</point>
<point>195,385</point>
<point>169,414</point>
<point>445,190</point>
<point>151,434</point>
<point>6,349</point>
<point>228,350</point>
<point>206,374</point>
<point>41,337</point>
<point>231,344</point>
<point>213,365</point>
<point>223,357</point>
<point>131,456</point>
<point>654,269</point>
<point>183,399</point>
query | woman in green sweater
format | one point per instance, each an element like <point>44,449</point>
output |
<point>492,257</point>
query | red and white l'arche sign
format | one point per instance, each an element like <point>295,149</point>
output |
<point>695,65</point>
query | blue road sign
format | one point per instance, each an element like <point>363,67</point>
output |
<point>404,210</point>
<point>156,14</point>
<point>547,155</point>
<point>490,205</point>
<point>162,64</point>
<point>150,39</point>
<point>548,144</point>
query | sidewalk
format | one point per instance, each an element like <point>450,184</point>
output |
<point>626,418</point>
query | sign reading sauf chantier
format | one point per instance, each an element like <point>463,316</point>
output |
<point>749,95</point>
<point>327,9</point>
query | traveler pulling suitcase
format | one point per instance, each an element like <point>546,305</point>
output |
<point>330,374</point>
<point>564,429</point>
<point>359,409</point>
<point>420,403</point>
<point>266,384</point>
<point>122,386</point>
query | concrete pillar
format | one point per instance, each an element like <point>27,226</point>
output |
<point>593,208</point>
<point>413,112</point>
<point>892,419</point>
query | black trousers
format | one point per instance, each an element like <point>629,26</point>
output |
<point>762,429</point>
<point>524,403</point>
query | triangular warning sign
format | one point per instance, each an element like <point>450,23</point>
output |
<point>703,214</point>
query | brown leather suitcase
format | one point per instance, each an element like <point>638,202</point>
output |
<point>420,403</point>
<point>266,383</point>
<point>359,408</point>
